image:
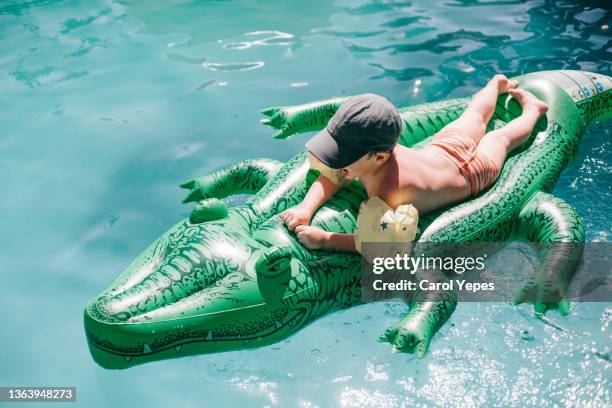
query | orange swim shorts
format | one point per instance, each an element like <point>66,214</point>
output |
<point>478,170</point>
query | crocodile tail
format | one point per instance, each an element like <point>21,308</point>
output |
<point>589,92</point>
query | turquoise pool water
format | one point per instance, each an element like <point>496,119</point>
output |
<point>107,106</point>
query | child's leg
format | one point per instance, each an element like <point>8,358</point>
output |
<point>498,143</point>
<point>474,119</point>
<point>483,102</point>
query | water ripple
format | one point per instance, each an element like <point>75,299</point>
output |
<point>233,66</point>
<point>346,34</point>
<point>18,7</point>
<point>185,59</point>
<point>272,38</point>
<point>46,76</point>
<point>406,74</point>
<point>377,7</point>
<point>76,23</point>
<point>404,21</point>
<point>437,45</point>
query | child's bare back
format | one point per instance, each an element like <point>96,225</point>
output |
<point>419,177</point>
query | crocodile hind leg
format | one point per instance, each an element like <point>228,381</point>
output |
<point>429,310</point>
<point>557,229</point>
<point>247,176</point>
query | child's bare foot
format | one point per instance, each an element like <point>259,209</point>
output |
<point>529,101</point>
<point>503,83</point>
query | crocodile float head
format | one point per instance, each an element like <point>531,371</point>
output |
<point>232,278</point>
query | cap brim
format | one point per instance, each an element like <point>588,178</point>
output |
<point>326,149</point>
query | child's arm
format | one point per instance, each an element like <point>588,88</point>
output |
<point>340,242</point>
<point>320,191</point>
<point>317,238</point>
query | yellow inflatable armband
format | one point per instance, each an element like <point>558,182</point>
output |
<point>377,222</point>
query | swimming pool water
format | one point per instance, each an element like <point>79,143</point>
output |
<point>107,106</point>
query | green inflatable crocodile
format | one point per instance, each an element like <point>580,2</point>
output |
<point>233,278</point>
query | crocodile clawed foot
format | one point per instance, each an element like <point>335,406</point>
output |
<point>408,336</point>
<point>198,188</point>
<point>545,294</point>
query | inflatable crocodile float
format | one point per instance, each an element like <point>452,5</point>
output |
<point>234,278</point>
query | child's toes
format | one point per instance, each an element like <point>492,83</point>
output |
<point>513,83</point>
<point>517,93</point>
<point>500,77</point>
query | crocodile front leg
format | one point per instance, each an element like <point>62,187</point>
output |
<point>247,176</point>
<point>429,310</point>
<point>294,119</point>
<point>551,222</point>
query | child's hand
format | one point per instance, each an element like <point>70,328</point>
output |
<point>311,237</point>
<point>295,216</point>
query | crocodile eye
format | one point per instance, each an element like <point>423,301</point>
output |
<point>275,267</point>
